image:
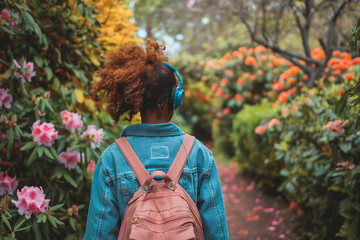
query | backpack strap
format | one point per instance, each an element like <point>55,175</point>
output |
<point>132,159</point>
<point>181,158</point>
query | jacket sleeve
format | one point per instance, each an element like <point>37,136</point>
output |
<point>103,220</point>
<point>211,204</point>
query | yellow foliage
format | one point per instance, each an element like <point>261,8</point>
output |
<point>79,95</point>
<point>116,28</point>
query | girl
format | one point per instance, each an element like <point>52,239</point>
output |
<point>135,81</point>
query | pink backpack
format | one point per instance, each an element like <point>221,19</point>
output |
<point>160,209</point>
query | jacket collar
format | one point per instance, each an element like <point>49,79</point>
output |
<point>152,130</point>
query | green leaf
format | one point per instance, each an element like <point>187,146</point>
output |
<point>49,73</point>
<point>39,61</point>
<point>32,156</point>
<point>36,230</point>
<point>6,221</point>
<point>28,146</point>
<point>48,105</point>
<point>345,146</point>
<point>47,153</point>
<point>19,224</point>
<point>54,153</point>
<point>30,20</point>
<point>40,151</point>
<point>52,221</point>
<point>72,223</point>
<point>24,228</point>
<point>10,143</point>
<point>341,104</point>
<point>6,30</point>
<point>56,207</point>
<point>70,180</point>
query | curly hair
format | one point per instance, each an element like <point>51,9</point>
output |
<point>134,79</point>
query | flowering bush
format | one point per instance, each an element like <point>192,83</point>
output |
<point>51,130</point>
<point>312,157</point>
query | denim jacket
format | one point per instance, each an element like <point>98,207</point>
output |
<point>156,145</point>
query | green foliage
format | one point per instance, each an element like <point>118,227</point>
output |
<point>247,144</point>
<point>317,166</point>
<point>59,38</point>
<point>355,38</point>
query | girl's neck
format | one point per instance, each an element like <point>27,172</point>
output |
<point>155,117</point>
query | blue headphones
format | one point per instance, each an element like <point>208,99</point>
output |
<point>177,95</point>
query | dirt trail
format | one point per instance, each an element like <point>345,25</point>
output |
<point>251,214</point>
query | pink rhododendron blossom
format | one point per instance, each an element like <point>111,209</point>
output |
<point>31,200</point>
<point>190,3</point>
<point>5,15</point>
<point>94,135</point>
<point>2,135</point>
<point>7,184</point>
<point>260,129</point>
<point>273,122</point>
<point>26,71</point>
<point>344,165</point>
<point>91,167</point>
<point>44,133</point>
<point>5,98</point>
<point>71,120</point>
<point>70,159</point>
<point>337,126</point>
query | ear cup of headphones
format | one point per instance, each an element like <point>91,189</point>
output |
<point>178,97</point>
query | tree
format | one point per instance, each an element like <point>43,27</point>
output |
<point>116,27</point>
<point>256,16</point>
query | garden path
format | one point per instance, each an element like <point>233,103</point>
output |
<point>252,214</point>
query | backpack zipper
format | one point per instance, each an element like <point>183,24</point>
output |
<point>160,222</point>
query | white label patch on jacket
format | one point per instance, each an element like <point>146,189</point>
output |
<point>159,152</point>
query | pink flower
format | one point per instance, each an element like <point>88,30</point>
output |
<point>273,122</point>
<point>70,159</point>
<point>26,71</point>
<point>5,98</point>
<point>44,133</point>
<point>71,120</point>
<point>5,15</point>
<point>91,167</point>
<point>190,3</point>
<point>285,111</point>
<point>337,126</point>
<point>95,136</point>
<point>31,200</point>
<point>7,184</point>
<point>260,129</point>
<point>250,187</point>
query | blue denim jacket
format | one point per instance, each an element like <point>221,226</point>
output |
<point>156,145</point>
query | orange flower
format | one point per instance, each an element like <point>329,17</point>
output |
<point>290,81</point>
<point>227,56</point>
<point>283,97</point>
<point>235,54</point>
<point>263,58</point>
<point>214,86</point>
<point>292,91</point>
<point>229,73</point>
<point>336,72</point>
<point>259,49</point>
<point>278,86</point>
<point>336,53</point>
<point>331,78</point>
<point>356,60</point>
<point>242,50</point>
<point>333,61</point>
<point>219,92</point>
<point>227,96</point>
<point>260,72</point>
<point>239,97</point>
<point>348,76</point>
<point>222,61</point>
<point>201,63</point>
<point>346,56</point>
<point>224,81</point>
<point>227,111</point>
<point>270,65</point>
<point>251,51</point>
<point>306,77</point>
<point>249,94</point>
<point>203,78</point>
<point>256,96</point>
<point>240,81</point>
<point>253,77</point>
<point>260,129</point>
<point>275,71</point>
<point>250,60</point>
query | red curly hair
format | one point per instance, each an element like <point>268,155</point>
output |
<point>134,79</point>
